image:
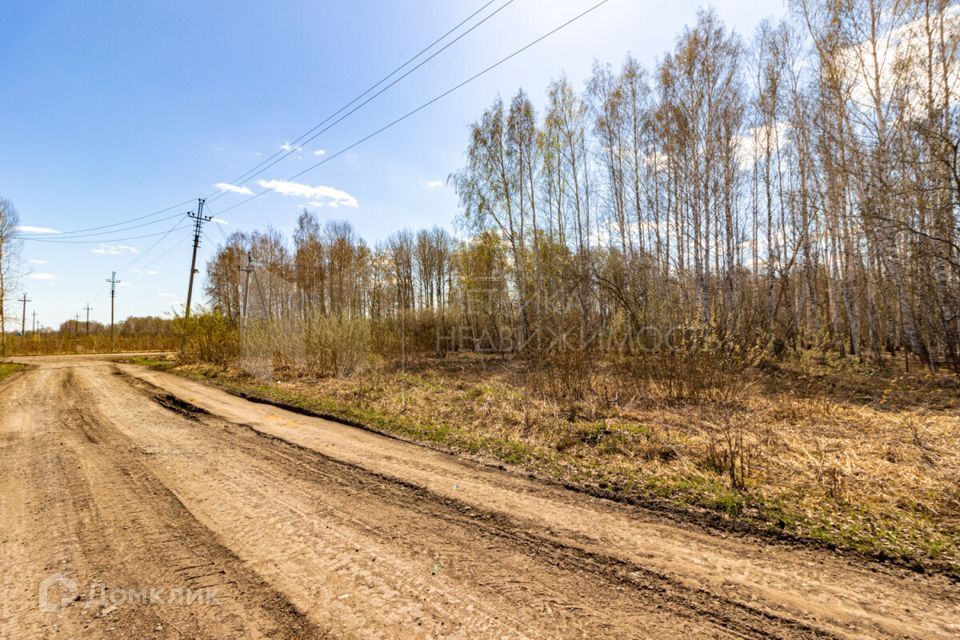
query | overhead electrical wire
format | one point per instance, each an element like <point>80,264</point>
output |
<point>140,256</point>
<point>116,224</point>
<point>304,139</point>
<point>175,227</point>
<point>426,104</point>
<point>74,236</point>
<point>104,235</point>
<point>71,235</point>
<point>98,240</point>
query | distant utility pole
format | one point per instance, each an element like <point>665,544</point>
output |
<point>34,321</point>
<point>23,318</point>
<point>88,309</point>
<point>198,220</point>
<point>112,280</point>
<point>247,269</point>
<point>76,325</point>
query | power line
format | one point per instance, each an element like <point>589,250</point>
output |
<point>122,222</point>
<point>140,257</point>
<point>281,155</point>
<point>428,103</point>
<point>162,255</point>
<point>60,237</point>
<point>97,241</point>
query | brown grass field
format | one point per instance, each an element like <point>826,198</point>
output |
<point>852,456</point>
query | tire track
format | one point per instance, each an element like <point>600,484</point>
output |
<point>142,564</point>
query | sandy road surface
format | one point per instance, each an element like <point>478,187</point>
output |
<point>144,517</point>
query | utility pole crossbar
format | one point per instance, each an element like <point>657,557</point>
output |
<point>247,269</point>
<point>23,318</point>
<point>113,282</point>
<point>198,219</point>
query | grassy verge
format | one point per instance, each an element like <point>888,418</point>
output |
<point>9,368</point>
<point>160,364</point>
<point>862,461</point>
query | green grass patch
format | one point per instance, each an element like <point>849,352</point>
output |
<point>153,363</point>
<point>10,368</point>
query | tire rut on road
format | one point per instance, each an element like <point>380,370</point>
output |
<point>575,581</point>
<point>143,566</point>
<point>116,476</point>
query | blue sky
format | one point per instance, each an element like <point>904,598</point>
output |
<point>112,110</point>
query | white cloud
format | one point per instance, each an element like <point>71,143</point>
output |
<point>434,184</point>
<point>41,276</point>
<point>286,146</point>
<point>328,196</point>
<point>320,152</point>
<point>218,220</point>
<point>151,272</point>
<point>38,261</point>
<point>232,188</point>
<point>25,228</point>
<point>114,249</point>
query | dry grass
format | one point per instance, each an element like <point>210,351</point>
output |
<point>68,344</point>
<point>855,457</point>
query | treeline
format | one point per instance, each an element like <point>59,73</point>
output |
<point>148,333</point>
<point>797,191</point>
<point>131,326</point>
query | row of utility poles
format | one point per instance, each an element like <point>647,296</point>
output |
<point>199,218</point>
<point>76,318</point>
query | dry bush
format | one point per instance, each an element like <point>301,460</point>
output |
<point>563,376</point>
<point>336,347</point>
<point>207,338</point>
<point>317,347</point>
<point>732,449</point>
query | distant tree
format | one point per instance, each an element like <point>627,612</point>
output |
<point>9,253</point>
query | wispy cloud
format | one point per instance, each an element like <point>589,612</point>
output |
<point>320,152</point>
<point>38,261</point>
<point>219,220</point>
<point>286,146</point>
<point>151,272</point>
<point>327,196</point>
<point>41,276</point>
<point>114,249</point>
<point>25,228</point>
<point>232,188</point>
<point>434,184</point>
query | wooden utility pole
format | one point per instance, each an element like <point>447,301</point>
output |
<point>88,309</point>
<point>23,318</point>
<point>76,325</point>
<point>247,269</point>
<point>112,280</point>
<point>198,220</point>
<point>34,321</point>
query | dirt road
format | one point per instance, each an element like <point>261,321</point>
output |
<point>139,504</point>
